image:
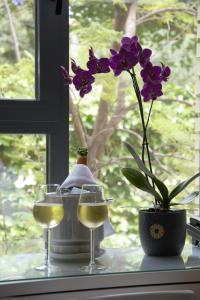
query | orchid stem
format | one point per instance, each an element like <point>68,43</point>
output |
<point>145,139</point>
<point>149,114</point>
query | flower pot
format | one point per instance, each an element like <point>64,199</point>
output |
<point>162,233</point>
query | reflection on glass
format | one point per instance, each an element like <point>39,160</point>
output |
<point>17,53</point>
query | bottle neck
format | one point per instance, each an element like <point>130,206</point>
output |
<point>82,160</point>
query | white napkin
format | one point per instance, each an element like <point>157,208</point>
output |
<point>80,174</point>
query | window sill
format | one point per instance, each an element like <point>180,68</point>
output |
<point>125,267</point>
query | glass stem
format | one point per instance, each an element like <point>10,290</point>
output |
<point>47,247</point>
<point>92,262</point>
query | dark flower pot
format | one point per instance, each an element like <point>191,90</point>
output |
<point>162,233</point>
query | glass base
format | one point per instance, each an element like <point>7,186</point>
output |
<point>92,268</point>
<point>42,268</point>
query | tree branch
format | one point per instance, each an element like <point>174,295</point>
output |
<point>172,156</point>
<point>116,161</point>
<point>96,141</point>
<point>175,100</point>
<point>78,125</point>
<point>13,32</point>
<point>148,16</point>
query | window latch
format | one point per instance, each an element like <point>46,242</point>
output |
<point>58,9</point>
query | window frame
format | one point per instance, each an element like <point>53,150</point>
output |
<point>48,113</point>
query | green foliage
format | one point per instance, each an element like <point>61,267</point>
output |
<point>22,165</point>
<point>23,22</point>
<point>172,37</point>
<point>141,182</point>
<point>18,79</point>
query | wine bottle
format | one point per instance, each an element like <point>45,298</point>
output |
<point>82,155</point>
<point>80,173</point>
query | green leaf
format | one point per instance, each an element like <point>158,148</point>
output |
<point>160,185</point>
<point>181,186</point>
<point>136,178</point>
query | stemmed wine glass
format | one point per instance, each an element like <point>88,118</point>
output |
<point>92,212</point>
<point>48,211</point>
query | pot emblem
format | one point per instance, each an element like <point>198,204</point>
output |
<point>157,231</point>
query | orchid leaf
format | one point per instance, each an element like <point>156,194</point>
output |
<point>181,186</point>
<point>136,178</point>
<point>160,185</point>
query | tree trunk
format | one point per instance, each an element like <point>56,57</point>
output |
<point>12,30</point>
<point>124,21</point>
<point>104,127</point>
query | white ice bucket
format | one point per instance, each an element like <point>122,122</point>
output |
<point>71,239</point>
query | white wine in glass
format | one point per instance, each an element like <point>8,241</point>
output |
<point>48,212</point>
<point>92,212</point>
<point>48,215</point>
<point>92,215</point>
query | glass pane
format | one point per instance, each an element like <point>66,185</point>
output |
<point>109,113</point>
<point>22,167</point>
<point>17,50</point>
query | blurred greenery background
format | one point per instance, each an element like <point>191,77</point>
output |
<point>107,116</point>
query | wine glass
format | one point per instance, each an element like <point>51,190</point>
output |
<point>48,211</point>
<point>92,212</point>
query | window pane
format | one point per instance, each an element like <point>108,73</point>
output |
<point>109,113</point>
<point>22,168</point>
<point>17,52</point>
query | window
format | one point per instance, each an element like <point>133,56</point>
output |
<point>48,114</point>
<point>110,108</point>
<point>17,50</point>
<point>42,121</point>
<point>109,114</point>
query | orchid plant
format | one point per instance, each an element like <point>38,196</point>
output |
<point>126,59</point>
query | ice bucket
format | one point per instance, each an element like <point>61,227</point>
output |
<point>71,239</point>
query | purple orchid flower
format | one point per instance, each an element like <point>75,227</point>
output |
<point>85,90</point>
<point>130,44</point>
<point>151,74</point>
<point>151,91</point>
<point>74,66</point>
<point>128,56</point>
<point>67,78</point>
<point>166,71</point>
<point>96,65</point>
<point>122,61</point>
<point>83,81</point>
<point>144,57</point>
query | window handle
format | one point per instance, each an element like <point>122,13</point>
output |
<point>58,9</point>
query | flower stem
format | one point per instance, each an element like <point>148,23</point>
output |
<point>144,127</point>
<point>145,142</point>
<point>149,114</point>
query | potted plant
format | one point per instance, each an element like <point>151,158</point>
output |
<point>162,229</point>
